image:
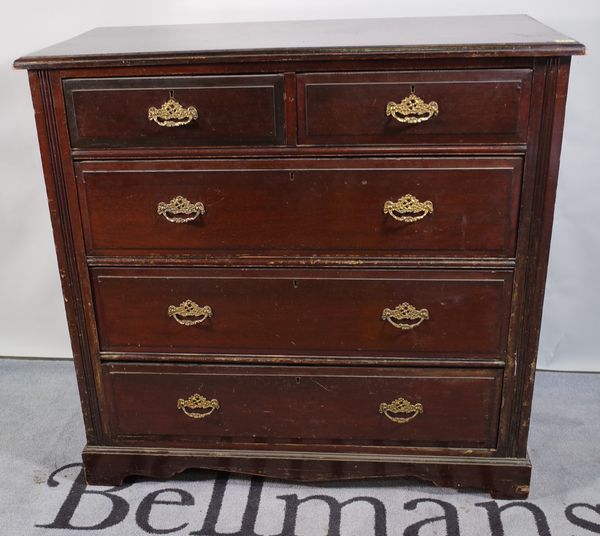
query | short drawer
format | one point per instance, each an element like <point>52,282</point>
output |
<point>175,111</point>
<point>368,406</point>
<point>416,107</point>
<point>302,312</point>
<point>458,207</point>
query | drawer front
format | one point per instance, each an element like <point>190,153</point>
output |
<point>303,405</point>
<point>302,312</point>
<point>446,107</point>
<point>381,207</point>
<point>139,112</point>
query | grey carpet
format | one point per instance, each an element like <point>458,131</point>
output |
<point>41,491</point>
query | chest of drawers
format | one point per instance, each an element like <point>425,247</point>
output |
<point>310,250</point>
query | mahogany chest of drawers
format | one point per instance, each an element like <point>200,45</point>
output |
<point>311,250</point>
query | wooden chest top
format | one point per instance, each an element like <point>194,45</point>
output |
<point>492,35</point>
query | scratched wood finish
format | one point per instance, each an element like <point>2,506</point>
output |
<point>303,207</point>
<point>315,125</point>
<point>508,479</point>
<point>310,311</point>
<point>306,406</point>
<point>475,106</point>
<point>231,110</point>
<point>412,37</point>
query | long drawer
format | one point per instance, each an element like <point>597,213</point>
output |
<point>414,107</point>
<point>368,406</point>
<point>175,111</point>
<point>461,207</point>
<point>302,312</point>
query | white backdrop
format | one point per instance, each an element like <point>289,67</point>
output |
<point>32,318</point>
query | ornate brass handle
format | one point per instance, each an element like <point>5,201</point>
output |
<point>180,205</point>
<point>400,405</point>
<point>412,109</point>
<point>408,208</point>
<point>197,401</point>
<point>172,114</point>
<point>187,309</point>
<point>405,311</point>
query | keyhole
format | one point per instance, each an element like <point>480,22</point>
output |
<point>295,283</point>
<point>171,94</point>
<point>412,88</point>
<point>297,380</point>
<point>292,176</point>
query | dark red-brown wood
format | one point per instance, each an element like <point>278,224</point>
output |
<point>471,270</point>
<point>310,311</point>
<point>232,110</point>
<point>503,478</point>
<point>475,106</point>
<point>417,37</point>
<point>306,406</point>
<point>291,207</point>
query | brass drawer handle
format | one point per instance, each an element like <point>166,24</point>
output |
<point>197,401</point>
<point>400,405</point>
<point>180,205</point>
<point>408,208</point>
<point>412,109</point>
<point>188,309</point>
<point>172,114</point>
<point>405,311</point>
